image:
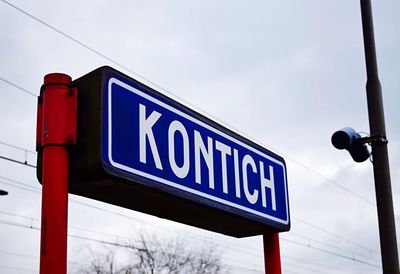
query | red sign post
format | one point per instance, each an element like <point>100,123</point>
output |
<point>57,109</point>
<point>272,254</point>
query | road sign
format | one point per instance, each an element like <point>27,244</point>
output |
<point>153,154</point>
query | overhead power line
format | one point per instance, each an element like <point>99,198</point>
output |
<point>324,177</point>
<point>147,80</point>
<point>18,87</point>
<point>332,253</point>
<point>25,163</point>
<point>240,248</point>
<point>256,253</point>
<point>334,234</point>
<point>311,241</point>
<point>316,227</point>
<point>18,147</point>
<point>93,50</point>
<point>102,55</point>
<point>237,247</point>
<point>18,254</point>
<point>297,219</point>
<point>122,245</point>
<point>308,269</point>
<point>329,180</point>
<point>26,152</point>
<point>30,187</point>
<point>17,268</point>
<point>31,219</point>
<point>295,161</point>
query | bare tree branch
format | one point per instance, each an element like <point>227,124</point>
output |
<point>152,255</point>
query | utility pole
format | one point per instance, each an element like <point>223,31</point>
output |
<point>383,192</point>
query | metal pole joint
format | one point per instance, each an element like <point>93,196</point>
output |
<point>57,111</point>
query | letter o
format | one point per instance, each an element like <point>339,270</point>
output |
<point>174,127</point>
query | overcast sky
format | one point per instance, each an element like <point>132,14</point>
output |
<point>285,73</point>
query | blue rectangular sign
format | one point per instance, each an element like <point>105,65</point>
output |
<point>153,140</point>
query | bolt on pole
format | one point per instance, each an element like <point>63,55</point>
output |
<point>383,192</point>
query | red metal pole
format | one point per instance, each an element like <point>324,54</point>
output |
<point>272,255</point>
<point>57,126</point>
<point>53,254</point>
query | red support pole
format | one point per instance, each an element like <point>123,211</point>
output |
<point>272,255</point>
<point>56,129</point>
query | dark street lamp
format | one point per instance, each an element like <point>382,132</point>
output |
<point>383,191</point>
<point>3,192</point>
<point>348,139</point>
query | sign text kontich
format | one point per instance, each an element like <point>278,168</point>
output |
<point>146,135</point>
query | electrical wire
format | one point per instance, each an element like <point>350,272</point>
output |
<point>308,269</point>
<point>329,180</point>
<point>102,55</point>
<point>17,268</point>
<point>334,235</point>
<point>76,263</point>
<point>324,177</point>
<point>20,187</point>
<point>38,190</point>
<point>29,256</point>
<point>18,87</point>
<point>18,147</point>
<point>240,250</point>
<point>25,163</point>
<point>133,72</point>
<point>284,257</point>
<point>18,254</point>
<point>331,253</point>
<point>93,50</point>
<point>129,246</point>
<point>30,187</point>
<point>141,221</point>
<point>309,240</point>
<point>256,254</point>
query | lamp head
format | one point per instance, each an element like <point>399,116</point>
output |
<point>347,138</point>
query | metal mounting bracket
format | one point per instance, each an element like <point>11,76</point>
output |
<point>381,139</point>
